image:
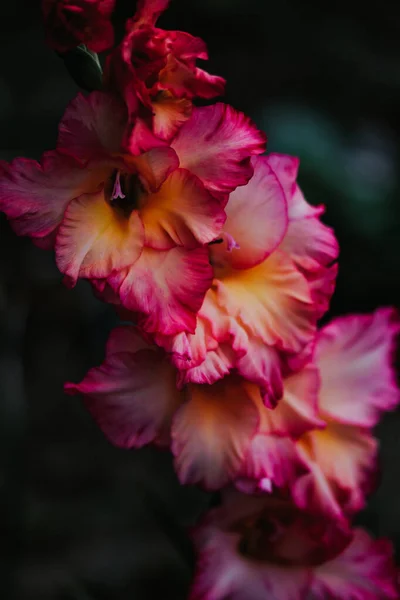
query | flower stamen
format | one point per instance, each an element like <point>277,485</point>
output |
<point>117,191</point>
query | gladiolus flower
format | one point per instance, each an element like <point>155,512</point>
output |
<point>253,548</point>
<point>270,285</point>
<point>318,441</point>
<point>69,23</point>
<point>155,71</point>
<point>134,398</point>
<point>141,222</point>
<point>354,357</point>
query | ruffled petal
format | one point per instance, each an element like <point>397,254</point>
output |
<point>181,213</point>
<point>313,492</point>
<point>286,168</point>
<point>186,46</point>
<point>153,166</point>
<point>94,239</point>
<point>212,431</point>
<point>139,137</point>
<point>220,345</point>
<point>256,217</point>
<point>309,242</point>
<point>216,364</point>
<point>207,86</point>
<point>354,355</point>
<point>189,350</point>
<point>169,114</point>
<point>273,454</point>
<point>167,287</point>
<point>216,144</point>
<point>34,196</point>
<point>322,285</point>
<point>364,571</point>
<point>297,411</point>
<point>132,396</point>
<point>92,126</point>
<point>272,301</point>
<point>184,79</point>
<point>271,458</point>
<point>261,365</point>
<point>345,457</point>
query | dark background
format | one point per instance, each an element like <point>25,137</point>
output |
<point>83,520</point>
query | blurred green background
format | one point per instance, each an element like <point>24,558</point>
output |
<point>83,520</point>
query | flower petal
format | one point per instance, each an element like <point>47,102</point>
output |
<point>92,126</point>
<point>94,239</point>
<point>272,301</point>
<point>322,285</point>
<point>132,395</point>
<point>139,137</point>
<point>182,78</point>
<point>212,431</point>
<point>354,355</point>
<point>346,458</point>
<point>313,492</point>
<point>181,213</point>
<point>261,365</point>
<point>34,196</point>
<point>189,350</point>
<point>152,166</point>
<point>216,364</point>
<point>256,216</point>
<point>310,243</point>
<point>274,458</point>
<point>187,47</point>
<point>297,412</point>
<point>286,168</point>
<point>169,114</point>
<point>224,574</point>
<point>364,571</point>
<point>216,144</point>
<point>167,287</point>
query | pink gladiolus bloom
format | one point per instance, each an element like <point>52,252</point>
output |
<point>69,23</point>
<point>155,71</point>
<point>354,356</point>
<point>134,398</point>
<point>141,223</point>
<point>318,441</point>
<point>253,548</point>
<point>270,286</point>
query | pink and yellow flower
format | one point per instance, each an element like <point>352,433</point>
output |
<point>252,548</point>
<point>274,273</point>
<point>134,399</point>
<point>325,418</point>
<point>155,72</point>
<point>354,357</point>
<point>172,215</point>
<point>316,443</point>
<point>139,224</point>
<point>69,23</point>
